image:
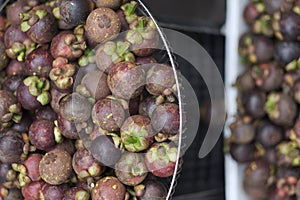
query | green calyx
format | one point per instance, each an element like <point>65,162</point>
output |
<point>295,64</point>
<point>134,37</point>
<point>41,13</point>
<point>135,140</point>
<point>162,154</point>
<point>82,195</point>
<point>87,58</point>
<point>129,11</point>
<point>63,76</point>
<point>39,87</point>
<point>271,104</point>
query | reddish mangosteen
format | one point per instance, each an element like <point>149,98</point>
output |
<point>109,188</point>
<point>11,146</point>
<point>66,45</point>
<point>32,166</point>
<point>102,24</point>
<point>161,159</point>
<point>85,165</point>
<point>252,11</point>
<point>33,92</point>
<point>41,134</point>
<point>56,167</point>
<point>137,133</point>
<point>108,114</point>
<point>39,24</point>
<point>126,80</point>
<point>166,118</point>
<point>32,190</point>
<point>131,169</point>
<point>160,78</point>
<point>76,193</point>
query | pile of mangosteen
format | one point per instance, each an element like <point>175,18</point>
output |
<point>266,133</point>
<point>87,109</point>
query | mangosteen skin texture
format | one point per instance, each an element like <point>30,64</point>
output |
<point>166,119</point>
<point>108,188</point>
<point>27,100</point>
<point>101,24</point>
<point>159,78</point>
<point>104,150</point>
<point>11,146</point>
<point>126,80</point>
<point>154,190</point>
<point>108,114</point>
<point>41,134</point>
<point>56,167</point>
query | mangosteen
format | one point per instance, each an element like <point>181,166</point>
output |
<point>111,53</point>
<point>105,151</point>
<point>76,193</point>
<point>268,134</point>
<point>4,60</point>
<point>66,44</point>
<point>74,12</point>
<point>52,192</point>
<point>85,165</point>
<point>281,109</point>
<point>166,119</point>
<point>33,92</point>
<point>254,102</point>
<point>131,169</point>
<point>243,153</point>
<point>161,159</point>
<point>159,79</point>
<point>75,108</point>
<point>242,132</point>
<point>252,11</point>
<point>285,26</point>
<point>263,25</point>
<point>10,109</point>
<point>245,82</point>
<point>256,48</point>
<point>15,68</point>
<point>13,12</point>
<point>32,190</point>
<point>96,84</point>
<point>41,134</point>
<point>56,167</point>
<point>113,4</point>
<point>32,166</point>
<point>153,189</point>
<point>102,24</point>
<point>272,6</point>
<point>126,80</point>
<point>11,146</point>
<point>38,63</point>
<point>142,36</point>
<point>267,76</point>
<point>12,83</point>
<point>109,188</point>
<point>286,52</point>
<point>67,128</point>
<point>109,114</point>
<point>39,24</point>
<point>137,133</point>
<point>287,154</point>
